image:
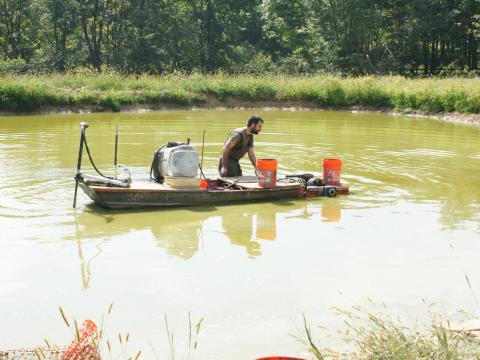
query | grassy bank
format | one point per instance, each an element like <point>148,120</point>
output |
<point>379,337</point>
<point>112,92</point>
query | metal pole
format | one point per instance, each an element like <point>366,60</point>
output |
<point>83,126</point>
<point>203,144</point>
<point>116,146</point>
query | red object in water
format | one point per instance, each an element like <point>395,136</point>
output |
<point>331,171</point>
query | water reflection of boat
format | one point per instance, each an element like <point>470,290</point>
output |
<point>182,232</point>
<point>179,231</point>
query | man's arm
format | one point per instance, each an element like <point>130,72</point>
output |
<point>226,151</point>
<point>252,157</point>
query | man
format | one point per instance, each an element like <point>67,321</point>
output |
<point>238,144</point>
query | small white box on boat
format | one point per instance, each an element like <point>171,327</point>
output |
<point>178,182</point>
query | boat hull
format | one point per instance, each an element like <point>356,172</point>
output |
<point>125,198</point>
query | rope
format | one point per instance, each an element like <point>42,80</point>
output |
<point>201,172</point>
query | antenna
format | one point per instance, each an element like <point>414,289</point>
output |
<point>116,146</point>
<point>203,145</point>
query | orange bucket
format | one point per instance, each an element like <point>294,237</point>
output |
<point>331,171</point>
<point>267,173</point>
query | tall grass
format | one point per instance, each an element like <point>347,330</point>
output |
<point>118,347</point>
<point>112,91</point>
<point>379,337</point>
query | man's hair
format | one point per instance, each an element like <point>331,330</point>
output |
<point>254,119</point>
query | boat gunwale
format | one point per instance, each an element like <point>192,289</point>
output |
<point>139,189</point>
<point>102,189</point>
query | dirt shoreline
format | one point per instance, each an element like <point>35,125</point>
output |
<point>234,104</point>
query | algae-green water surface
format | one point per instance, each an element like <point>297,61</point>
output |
<point>407,235</point>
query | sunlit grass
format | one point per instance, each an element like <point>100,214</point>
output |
<point>112,91</point>
<point>117,347</point>
<point>379,337</point>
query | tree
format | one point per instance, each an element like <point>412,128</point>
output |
<point>60,24</point>
<point>17,29</point>
<point>93,20</point>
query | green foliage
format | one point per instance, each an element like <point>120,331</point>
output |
<point>12,66</point>
<point>352,37</point>
<point>18,98</point>
<point>260,64</point>
<point>368,92</point>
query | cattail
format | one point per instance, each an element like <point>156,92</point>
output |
<point>138,355</point>
<point>64,317</point>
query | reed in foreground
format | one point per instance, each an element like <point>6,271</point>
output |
<point>382,338</point>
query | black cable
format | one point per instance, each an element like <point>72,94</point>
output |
<point>91,160</point>
<point>201,172</point>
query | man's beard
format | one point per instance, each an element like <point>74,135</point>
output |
<point>254,131</point>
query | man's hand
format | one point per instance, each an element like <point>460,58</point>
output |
<point>223,171</point>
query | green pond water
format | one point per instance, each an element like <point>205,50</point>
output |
<point>408,234</point>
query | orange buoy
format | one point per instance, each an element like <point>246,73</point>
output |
<point>267,173</point>
<point>331,171</point>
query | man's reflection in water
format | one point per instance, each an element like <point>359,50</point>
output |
<point>239,229</point>
<point>182,237</point>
